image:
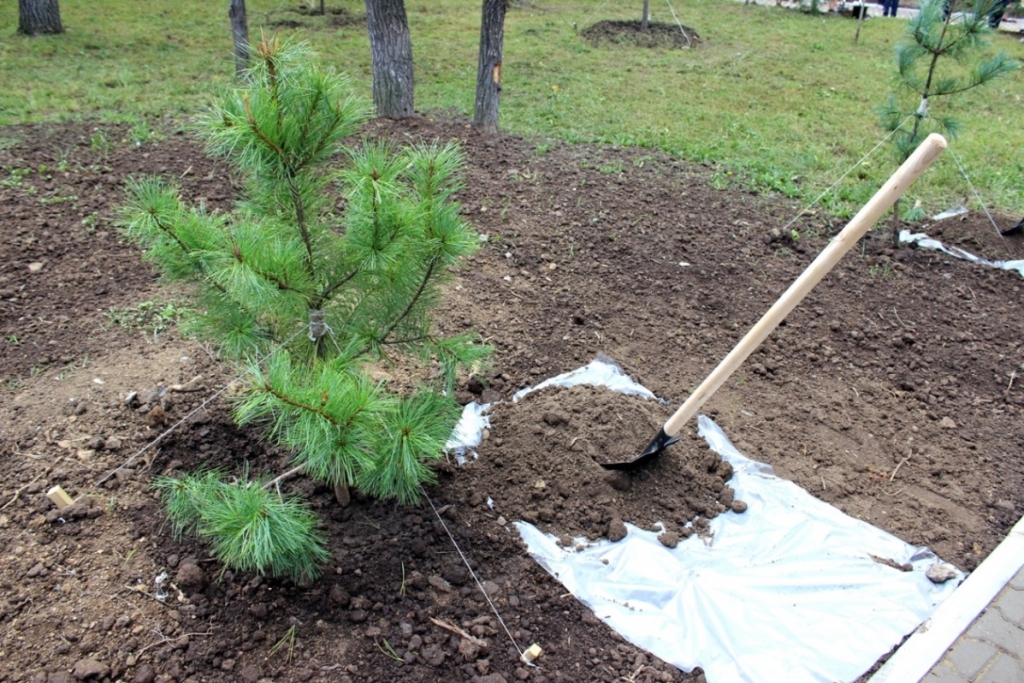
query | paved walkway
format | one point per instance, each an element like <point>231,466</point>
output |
<point>992,649</point>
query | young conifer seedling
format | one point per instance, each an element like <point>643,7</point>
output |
<point>941,56</point>
<point>333,261</point>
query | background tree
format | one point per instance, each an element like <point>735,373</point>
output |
<point>37,17</point>
<point>938,58</point>
<point>239,35</point>
<point>488,76</point>
<point>391,50</point>
<point>644,22</point>
<point>307,298</point>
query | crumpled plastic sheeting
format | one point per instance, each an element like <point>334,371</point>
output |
<point>468,431</point>
<point>925,242</point>
<point>602,371</point>
<point>787,591</point>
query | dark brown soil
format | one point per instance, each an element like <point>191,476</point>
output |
<point>542,463</point>
<point>632,34</point>
<point>893,392</point>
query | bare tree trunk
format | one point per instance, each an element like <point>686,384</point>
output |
<point>647,16</point>
<point>37,17</point>
<point>391,49</point>
<point>488,75</point>
<point>323,8</point>
<point>240,35</point>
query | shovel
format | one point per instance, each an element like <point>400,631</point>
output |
<point>904,176</point>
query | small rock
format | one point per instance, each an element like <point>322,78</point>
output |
<point>555,418</point>
<point>469,649</point>
<point>433,655</point>
<point>940,573</point>
<point>132,400</point>
<point>357,616</point>
<point>172,560</point>
<point>947,423</point>
<point>340,596</point>
<point>669,539</point>
<point>738,506</point>
<point>415,643</point>
<point>112,443</point>
<point>190,577</point>
<point>616,529</point>
<point>89,668</point>
<point>727,496</point>
<point>156,417</point>
<point>492,589</point>
<point>35,267</point>
<point>144,674</point>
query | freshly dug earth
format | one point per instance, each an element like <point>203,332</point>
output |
<point>892,392</point>
<point>543,463</point>
<point>632,34</point>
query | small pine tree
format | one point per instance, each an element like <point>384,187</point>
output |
<point>305,290</point>
<point>940,57</point>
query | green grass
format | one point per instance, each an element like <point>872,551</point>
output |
<point>775,98</point>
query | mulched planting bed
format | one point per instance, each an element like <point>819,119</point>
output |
<point>892,392</point>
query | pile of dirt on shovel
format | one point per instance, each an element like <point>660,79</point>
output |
<point>542,463</point>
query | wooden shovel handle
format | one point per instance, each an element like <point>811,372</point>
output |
<point>904,176</point>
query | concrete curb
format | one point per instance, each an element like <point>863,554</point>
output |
<point>919,653</point>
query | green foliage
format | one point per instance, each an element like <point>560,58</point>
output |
<point>306,296</point>
<point>938,58</point>
<point>249,527</point>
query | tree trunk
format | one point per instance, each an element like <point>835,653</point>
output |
<point>323,8</point>
<point>240,34</point>
<point>391,49</point>
<point>488,75</point>
<point>36,17</point>
<point>647,16</point>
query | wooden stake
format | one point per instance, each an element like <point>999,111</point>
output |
<point>59,497</point>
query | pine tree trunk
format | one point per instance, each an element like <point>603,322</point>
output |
<point>391,49</point>
<point>240,34</point>
<point>488,76</point>
<point>37,17</point>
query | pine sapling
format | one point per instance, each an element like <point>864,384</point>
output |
<point>941,56</point>
<point>333,261</point>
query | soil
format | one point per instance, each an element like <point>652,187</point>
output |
<point>892,392</point>
<point>551,446</point>
<point>632,34</point>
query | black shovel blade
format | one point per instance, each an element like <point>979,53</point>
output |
<point>659,443</point>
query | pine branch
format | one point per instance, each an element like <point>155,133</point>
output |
<point>412,302</point>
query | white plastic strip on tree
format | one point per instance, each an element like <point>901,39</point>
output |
<point>788,591</point>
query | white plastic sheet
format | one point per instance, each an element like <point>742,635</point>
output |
<point>788,591</point>
<point>925,242</point>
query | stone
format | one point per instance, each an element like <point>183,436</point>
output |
<point>144,674</point>
<point>738,506</point>
<point>433,655</point>
<point>940,573</point>
<point>86,669</point>
<point>190,577</point>
<point>340,596</point>
<point>947,423</point>
<point>616,529</point>
<point>669,539</point>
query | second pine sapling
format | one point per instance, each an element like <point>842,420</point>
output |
<point>315,276</point>
<point>942,55</point>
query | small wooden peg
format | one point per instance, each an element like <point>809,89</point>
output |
<point>532,652</point>
<point>59,497</point>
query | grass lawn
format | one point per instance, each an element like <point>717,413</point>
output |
<point>773,98</point>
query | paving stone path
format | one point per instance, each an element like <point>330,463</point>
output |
<point>992,649</point>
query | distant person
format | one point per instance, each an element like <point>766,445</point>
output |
<point>890,7</point>
<point>996,15</point>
